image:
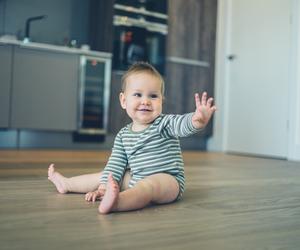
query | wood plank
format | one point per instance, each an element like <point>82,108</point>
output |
<point>231,202</point>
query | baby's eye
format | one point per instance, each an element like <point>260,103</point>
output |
<point>153,96</point>
<point>137,94</point>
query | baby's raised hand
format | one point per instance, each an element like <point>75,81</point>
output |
<point>204,111</point>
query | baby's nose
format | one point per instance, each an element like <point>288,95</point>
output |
<point>145,101</point>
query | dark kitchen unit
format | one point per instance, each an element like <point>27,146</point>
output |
<point>140,30</point>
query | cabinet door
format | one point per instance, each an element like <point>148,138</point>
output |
<point>181,84</point>
<point>101,25</point>
<point>191,29</point>
<point>5,84</point>
<point>118,117</point>
<point>45,90</point>
<point>190,53</point>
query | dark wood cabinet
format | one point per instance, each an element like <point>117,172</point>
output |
<point>190,53</point>
<point>192,29</point>
<point>101,25</point>
<point>117,116</point>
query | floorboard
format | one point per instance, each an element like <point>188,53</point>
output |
<point>230,202</point>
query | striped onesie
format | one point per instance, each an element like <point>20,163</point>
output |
<point>153,150</point>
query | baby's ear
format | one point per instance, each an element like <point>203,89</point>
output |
<point>122,100</point>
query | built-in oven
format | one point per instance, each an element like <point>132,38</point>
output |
<point>140,29</point>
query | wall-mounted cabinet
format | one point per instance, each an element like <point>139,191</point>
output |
<point>5,84</point>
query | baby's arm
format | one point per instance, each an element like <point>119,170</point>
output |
<point>190,123</point>
<point>117,162</point>
<point>204,111</point>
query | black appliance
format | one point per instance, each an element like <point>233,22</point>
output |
<point>140,29</point>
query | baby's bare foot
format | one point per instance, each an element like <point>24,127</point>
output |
<point>57,179</point>
<point>110,197</point>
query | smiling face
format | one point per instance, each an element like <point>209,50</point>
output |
<point>142,99</point>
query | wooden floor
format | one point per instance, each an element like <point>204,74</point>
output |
<point>231,202</point>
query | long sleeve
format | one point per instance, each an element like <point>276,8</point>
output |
<point>178,125</point>
<point>117,162</point>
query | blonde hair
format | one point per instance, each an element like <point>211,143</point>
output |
<point>142,67</point>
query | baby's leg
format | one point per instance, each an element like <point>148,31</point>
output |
<point>110,197</point>
<point>77,184</point>
<point>158,188</point>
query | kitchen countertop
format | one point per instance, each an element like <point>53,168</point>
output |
<point>55,48</point>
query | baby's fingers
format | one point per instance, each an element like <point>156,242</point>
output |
<point>94,197</point>
<point>197,101</point>
<point>210,101</point>
<point>204,99</point>
<point>88,196</point>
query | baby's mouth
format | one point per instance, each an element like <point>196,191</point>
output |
<point>144,110</point>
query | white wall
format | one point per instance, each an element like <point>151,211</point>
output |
<point>294,111</point>
<point>217,142</point>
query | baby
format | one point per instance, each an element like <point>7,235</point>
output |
<point>146,164</point>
